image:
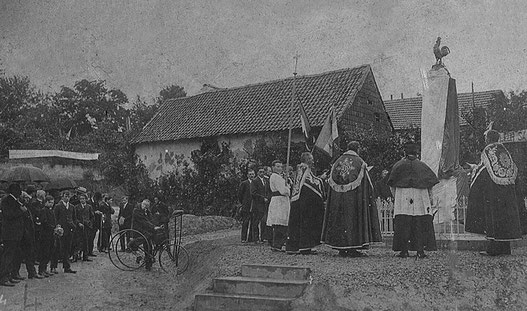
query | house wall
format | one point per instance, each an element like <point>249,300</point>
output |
<point>163,157</point>
<point>367,110</point>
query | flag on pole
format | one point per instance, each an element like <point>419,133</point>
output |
<point>328,134</point>
<point>306,127</point>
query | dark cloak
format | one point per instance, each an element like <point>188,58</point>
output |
<point>307,211</point>
<point>492,202</point>
<point>351,219</point>
<point>412,173</point>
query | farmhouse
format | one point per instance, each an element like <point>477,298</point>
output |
<point>406,113</point>
<point>242,114</point>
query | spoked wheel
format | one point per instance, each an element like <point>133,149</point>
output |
<point>128,256</point>
<point>113,253</point>
<point>173,259</point>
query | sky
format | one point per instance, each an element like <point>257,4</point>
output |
<point>140,47</point>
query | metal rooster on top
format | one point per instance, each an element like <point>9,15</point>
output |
<point>440,53</point>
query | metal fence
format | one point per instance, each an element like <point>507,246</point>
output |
<point>452,223</point>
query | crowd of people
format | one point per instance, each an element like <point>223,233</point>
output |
<point>44,229</point>
<point>294,210</point>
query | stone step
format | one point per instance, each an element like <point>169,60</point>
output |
<point>276,272</point>
<point>259,286</point>
<point>233,302</point>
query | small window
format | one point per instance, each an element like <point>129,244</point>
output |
<point>370,102</point>
<point>377,117</point>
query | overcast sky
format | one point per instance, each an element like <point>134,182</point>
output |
<point>142,46</point>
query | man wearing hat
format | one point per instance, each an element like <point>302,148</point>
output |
<point>411,181</point>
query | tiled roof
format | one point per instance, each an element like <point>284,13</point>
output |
<point>254,108</point>
<point>406,113</point>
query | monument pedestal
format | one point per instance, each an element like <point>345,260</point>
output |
<point>440,138</point>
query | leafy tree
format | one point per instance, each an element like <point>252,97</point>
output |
<point>18,99</point>
<point>170,92</point>
<point>87,105</point>
<point>209,187</point>
<point>140,113</point>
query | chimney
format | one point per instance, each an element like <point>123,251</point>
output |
<point>391,96</point>
<point>402,96</point>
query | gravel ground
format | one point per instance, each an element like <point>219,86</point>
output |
<point>446,280</point>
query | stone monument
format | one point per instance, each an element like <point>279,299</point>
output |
<point>440,134</point>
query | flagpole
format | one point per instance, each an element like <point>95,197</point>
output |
<point>293,99</point>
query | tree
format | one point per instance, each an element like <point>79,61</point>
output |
<point>18,98</point>
<point>87,105</point>
<point>141,113</point>
<point>170,92</point>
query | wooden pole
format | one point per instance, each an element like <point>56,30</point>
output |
<point>293,99</point>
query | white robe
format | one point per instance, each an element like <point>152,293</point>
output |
<point>411,201</point>
<point>279,206</point>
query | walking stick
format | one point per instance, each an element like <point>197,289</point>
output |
<point>99,239</point>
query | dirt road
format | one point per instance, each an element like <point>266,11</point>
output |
<point>98,285</point>
<point>447,280</point>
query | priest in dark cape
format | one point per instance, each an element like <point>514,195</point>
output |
<point>411,181</point>
<point>351,221</point>
<point>492,202</point>
<point>307,209</point>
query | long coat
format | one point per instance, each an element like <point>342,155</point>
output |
<point>351,220</point>
<point>492,203</point>
<point>13,219</point>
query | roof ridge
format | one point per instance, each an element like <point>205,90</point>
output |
<point>272,81</point>
<point>459,93</point>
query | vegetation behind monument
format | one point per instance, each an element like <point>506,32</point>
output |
<point>91,117</point>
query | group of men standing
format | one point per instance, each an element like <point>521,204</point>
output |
<point>302,210</point>
<point>42,230</point>
<point>296,211</point>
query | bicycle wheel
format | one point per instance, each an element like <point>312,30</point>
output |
<point>114,242</point>
<point>173,259</point>
<point>131,256</point>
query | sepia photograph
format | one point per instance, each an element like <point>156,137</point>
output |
<point>272,155</point>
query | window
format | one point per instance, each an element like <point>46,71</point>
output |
<point>377,117</point>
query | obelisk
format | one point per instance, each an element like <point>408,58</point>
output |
<point>440,134</point>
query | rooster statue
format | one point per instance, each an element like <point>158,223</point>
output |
<point>440,53</point>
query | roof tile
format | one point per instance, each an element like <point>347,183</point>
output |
<point>406,113</point>
<point>253,108</point>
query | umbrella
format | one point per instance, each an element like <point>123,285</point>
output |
<point>63,183</point>
<point>24,174</point>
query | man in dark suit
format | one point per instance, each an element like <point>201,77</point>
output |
<point>28,246</point>
<point>260,198</point>
<point>160,214</point>
<point>244,197</point>
<point>142,222</point>
<point>124,219</point>
<point>13,215</point>
<point>85,219</point>
<point>65,216</point>
<point>266,231</point>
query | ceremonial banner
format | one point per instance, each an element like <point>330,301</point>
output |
<point>306,127</point>
<point>328,134</point>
